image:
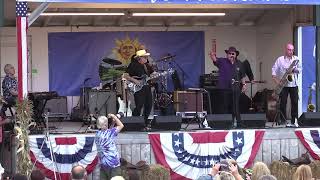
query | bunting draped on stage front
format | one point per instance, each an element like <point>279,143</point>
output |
<point>310,138</point>
<point>67,152</point>
<point>189,155</point>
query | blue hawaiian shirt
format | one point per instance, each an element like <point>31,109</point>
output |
<point>9,83</point>
<point>107,149</point>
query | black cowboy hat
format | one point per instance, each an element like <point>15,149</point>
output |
<point>232,49</point>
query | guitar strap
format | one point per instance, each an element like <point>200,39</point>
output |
<point>146,69</point>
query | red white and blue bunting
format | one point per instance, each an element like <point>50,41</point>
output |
<point>189,155</point>
<point>310,138</point>
<point>67,152</point>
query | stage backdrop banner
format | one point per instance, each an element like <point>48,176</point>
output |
<point>189,155</point>
<point>67,151</point>
<point>310,138</point>
<point>190,1</point>
<point>308,65</point>
<point>74,57</point>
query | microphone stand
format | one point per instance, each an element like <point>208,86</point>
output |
<point>180,68</point>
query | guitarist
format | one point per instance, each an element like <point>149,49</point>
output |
<point>138,67</point>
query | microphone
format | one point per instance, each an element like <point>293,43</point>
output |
<point>234,81</point>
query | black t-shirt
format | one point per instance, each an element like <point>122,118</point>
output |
<point>137,69</point>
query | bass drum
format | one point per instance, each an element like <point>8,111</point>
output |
<point>264,102</point>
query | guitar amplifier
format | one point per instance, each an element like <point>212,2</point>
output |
<point>102,102</point>
<point>188,101</point>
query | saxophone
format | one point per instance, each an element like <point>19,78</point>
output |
<point>287,77</point>
<point>311,107</point>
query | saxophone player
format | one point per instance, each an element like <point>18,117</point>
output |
<point>288,84</point>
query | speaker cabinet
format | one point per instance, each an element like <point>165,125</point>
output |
<point>188,101</point>
<point>220,121</point>
<point>101,102</point>
<point>254,120</point>
<point>167,123</point>
<point>309,119</point>
<point>134,123</point>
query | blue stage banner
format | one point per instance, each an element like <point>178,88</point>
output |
<point>308,65</point>
<point>75,58</point>
<point>309,2</point>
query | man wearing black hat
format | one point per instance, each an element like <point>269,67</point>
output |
<point>230,83</point>
<point>143,98</point>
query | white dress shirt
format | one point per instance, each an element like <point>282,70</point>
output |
<point>282,64</point>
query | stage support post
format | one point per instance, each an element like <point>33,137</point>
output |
<point>316,21</point>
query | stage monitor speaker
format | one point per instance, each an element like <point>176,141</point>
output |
<point>167,123</point>
<point>134,123</point>
<point>254,120</point>
<point>309,119</point>
<point>102,102</point>
<point>220,121</point>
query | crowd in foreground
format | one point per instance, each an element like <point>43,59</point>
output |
<point>228,170</point>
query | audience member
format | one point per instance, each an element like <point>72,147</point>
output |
<point>267,177</point>
<point>303,172</point>
<point>37,175</point>
<point>19,176</point>
<point>78,172</point>
<point>225,176</point>
<point>259,169</point>
<point>105,140</point>
<point>117,178</point>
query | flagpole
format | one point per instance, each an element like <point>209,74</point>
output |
<point>22,48</point>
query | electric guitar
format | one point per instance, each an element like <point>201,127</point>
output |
<point>124,105</point>
<point>135,87</point>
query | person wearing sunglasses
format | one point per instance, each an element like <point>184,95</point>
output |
<point>230,83</point>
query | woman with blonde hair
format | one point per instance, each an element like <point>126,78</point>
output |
<point>259,169</point>
<point>303,172</point>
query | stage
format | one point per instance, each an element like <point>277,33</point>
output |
<point>135,146</point>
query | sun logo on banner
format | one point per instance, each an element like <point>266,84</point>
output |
<point>125,48</point>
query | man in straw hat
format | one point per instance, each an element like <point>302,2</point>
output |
<point>230,83</point>
<point>139,67</point>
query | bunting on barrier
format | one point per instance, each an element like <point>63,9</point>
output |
<point>66,152</point>
<point>310,138</point>
<point>189,155</point>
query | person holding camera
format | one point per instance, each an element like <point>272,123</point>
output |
<point>106,146</point>
<point>222,170</point>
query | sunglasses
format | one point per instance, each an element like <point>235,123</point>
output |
<point>231,53</point>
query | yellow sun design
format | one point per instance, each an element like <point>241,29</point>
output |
<point>125,48</point>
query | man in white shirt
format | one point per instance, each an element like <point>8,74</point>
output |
<point>291,87</point>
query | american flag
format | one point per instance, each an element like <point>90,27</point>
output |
<point>189,155</point>
<point>310,138</point>
<point>22,26</point>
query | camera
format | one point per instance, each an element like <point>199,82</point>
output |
<point>224,166</point>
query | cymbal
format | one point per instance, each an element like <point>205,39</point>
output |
<point>121,68</point>
<point>165,58</point>
<point>111,61</point>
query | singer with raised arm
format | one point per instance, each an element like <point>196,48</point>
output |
<point>231,82</point>
<point>285,73</point>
